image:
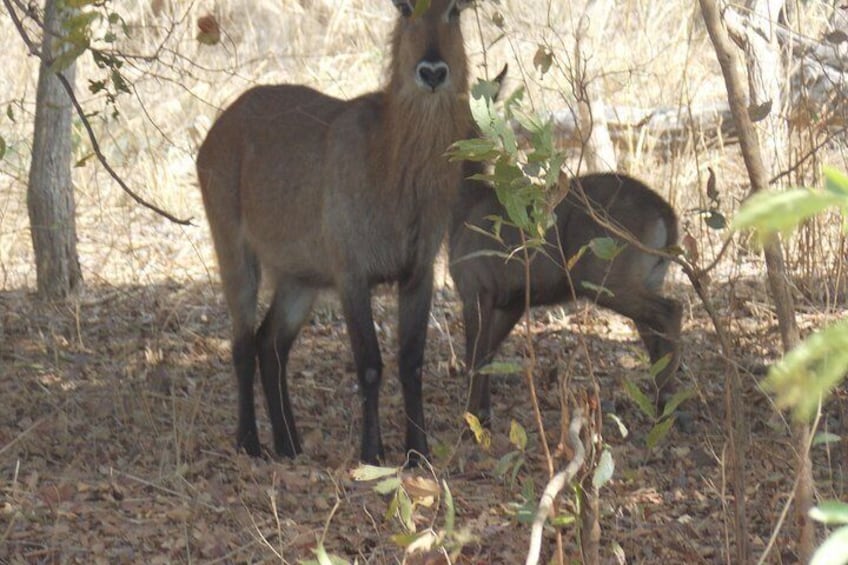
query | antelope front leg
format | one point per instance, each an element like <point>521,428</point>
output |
<point>414,300</point>
<point>356,303</point>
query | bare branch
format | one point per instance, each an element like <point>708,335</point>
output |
<point>33,49</point>
<point>556,484</point>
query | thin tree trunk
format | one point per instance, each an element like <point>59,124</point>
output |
<point>767,104</point>
<point>50,196</point>
<point>765,70</point>
<point>736,431</point>
<point>764,76</point>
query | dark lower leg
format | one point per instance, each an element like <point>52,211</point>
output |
<point>356,302</point>
<point>414,305</point>
<point>244,361</point>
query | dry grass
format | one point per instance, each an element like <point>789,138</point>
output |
<point>117,409</point>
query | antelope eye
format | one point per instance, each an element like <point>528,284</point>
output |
<point>404,6</point>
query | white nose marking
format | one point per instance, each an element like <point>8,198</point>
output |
<point>431,75</point>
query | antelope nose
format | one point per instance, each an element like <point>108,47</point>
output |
<point>432,75</point>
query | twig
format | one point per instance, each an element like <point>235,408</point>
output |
<point>69,89</point>
<point>24,433</point>
<point>788,504</point>
<point>555,485</point>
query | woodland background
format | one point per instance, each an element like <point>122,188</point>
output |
<point>117,406</point>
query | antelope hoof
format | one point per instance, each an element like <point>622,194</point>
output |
<point>249,442</point>
<point>290,449</point>
<point>372,453</point>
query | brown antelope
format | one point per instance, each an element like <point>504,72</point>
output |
<point>316,192</point>
<point>493,289</point>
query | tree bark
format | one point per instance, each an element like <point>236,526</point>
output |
<point>764,70</point>
<point>766,104</point>
<point>50,195</point>
<point>735,421</point>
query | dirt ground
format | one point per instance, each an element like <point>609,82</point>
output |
<point>117,419</point>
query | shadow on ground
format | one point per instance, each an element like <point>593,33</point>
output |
<point>118,413</point>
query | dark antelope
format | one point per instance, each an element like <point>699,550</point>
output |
<point>493,290</point>
<point>316,192</point>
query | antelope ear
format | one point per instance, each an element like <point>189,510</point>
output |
<point>405,7</point>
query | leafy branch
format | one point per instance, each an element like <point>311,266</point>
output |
<point>57,66</point>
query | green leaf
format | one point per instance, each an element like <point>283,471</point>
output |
<point>826,438</point>
<point>388,485</point>
<point>644,403</point>
<point>770,212</point>
<point>679,398</point>
<point>484,116</point>
<point>605,248</point>
<point>597,289</point>
<point>486,90</point>
<point>404,539</point>
<point>516,467</point>
<point>67,57</point>
<point>504,464</point>
<point>563,520</point>
<point>660,365</point>
<point>517,435</point>
<point>512,101</point>
<point>658,432</point>
<point>527,511</point>
<point>372,472</point>
<point>473,150</point>
<point>830,513</point>
<point>392,508</point>
<point>604,470</point>
<point>78,24</point>
<point>450,509</point>
<point>811,370</point>
<point>834,550</point>
<point>2,147</point>
<point>405,510</point>
<point>501,368</point>
<point>323,558</point>
<point>442,450</point>
<point>835,181</point>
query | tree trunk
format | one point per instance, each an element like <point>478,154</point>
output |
<point>764,67</point>
<point>50,196</point>
<point>598,149</point>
